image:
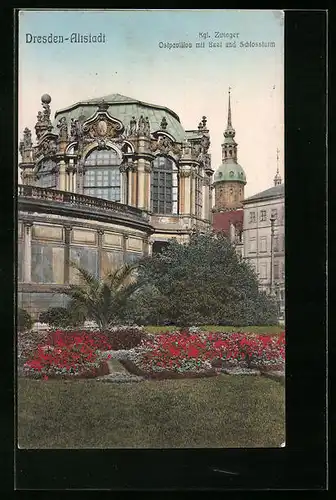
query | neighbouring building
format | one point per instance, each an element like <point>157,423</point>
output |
<point>264,214</point>
<point>107,181</point>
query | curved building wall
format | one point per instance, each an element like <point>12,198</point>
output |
<point>52,234</point>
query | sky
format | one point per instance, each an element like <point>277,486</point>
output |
<point>191,81</point>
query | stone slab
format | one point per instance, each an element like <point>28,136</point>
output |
<point>240,371</point>
<point>116,367</point>
<point>120,378</point>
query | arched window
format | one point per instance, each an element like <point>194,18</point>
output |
<point>46,174</point>
<point>102,175</point>
<point>164,186</point>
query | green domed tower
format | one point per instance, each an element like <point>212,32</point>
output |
<point>229,179</point>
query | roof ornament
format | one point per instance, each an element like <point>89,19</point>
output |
<point>103,105</point>
<point>63,129</point>
<point>43,123</point>
<point>141,125</point>
<point>163,124</point>
<point>132,126</point>
<point>26,145</point>
<point>147,127</point>
<point>74,129</point>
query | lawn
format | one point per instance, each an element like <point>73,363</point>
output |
<point>225,411</point>
<point>213,328</point>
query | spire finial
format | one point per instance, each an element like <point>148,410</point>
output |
<point>229,123</point>
<point>278,152</point>
<point>277,178</point>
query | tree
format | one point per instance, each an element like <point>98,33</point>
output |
<point>104,300</point>
<point>206,282</point>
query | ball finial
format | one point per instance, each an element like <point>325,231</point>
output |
<point>46,99</point>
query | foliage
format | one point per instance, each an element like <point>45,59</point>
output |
<point>270,330</point>
<point>147,307</point>
<point>104,300</point>
<point>57,317</point>
<point>125,338</point>
<point>24,320</point>
<point>203,282</point>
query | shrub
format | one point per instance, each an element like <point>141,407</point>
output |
<point>24,320</point>
<point>55,316</point>
<point>202,282</point>
<point>62,317</point>
<point>125,338</point>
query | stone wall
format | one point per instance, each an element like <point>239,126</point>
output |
<point>47,244</point>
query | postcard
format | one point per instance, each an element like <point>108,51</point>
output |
<point>151,250</point>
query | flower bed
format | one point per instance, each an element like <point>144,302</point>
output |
<point>134,369</point>
<point>68,354</point>
<point>189,353</point>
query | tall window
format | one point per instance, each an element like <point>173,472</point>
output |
<point>102,176</point>
<point>198,195</point>
<point>263,244</point>
<point>252,245</point>
<point>263,270</point>
<point>46,174</point>
<point>252,217</point>
<point>164,186</point>
<point>262,215</point>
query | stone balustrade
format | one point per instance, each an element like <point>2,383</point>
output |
<point>79,200</point>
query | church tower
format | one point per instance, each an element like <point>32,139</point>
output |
<point>229,179</point>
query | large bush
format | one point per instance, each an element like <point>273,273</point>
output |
<point>202,282</point>
<point>24,320</point>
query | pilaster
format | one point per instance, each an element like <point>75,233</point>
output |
<point>134,191</point>
<point>184,191</point>
<point>142,184</point>
<point>206,198</point>
<point>192,193</point>
<point>27,256</point>
<point>67,233</point>
<point>100,233</point>
<point>124,247</point>
<point>62,176</point>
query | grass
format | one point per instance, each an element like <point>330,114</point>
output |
<point>224,411</point>
<point>228,329</point>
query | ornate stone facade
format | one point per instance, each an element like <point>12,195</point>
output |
<point>113,161</point>
<point>138,135</point>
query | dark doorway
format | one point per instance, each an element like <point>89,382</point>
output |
<point>158,246</point>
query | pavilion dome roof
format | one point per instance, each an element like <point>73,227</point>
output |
<point>124,108</point>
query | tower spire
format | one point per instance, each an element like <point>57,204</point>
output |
<point>229,131</point>
<point>229,122</point>
<point>277,178</point>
